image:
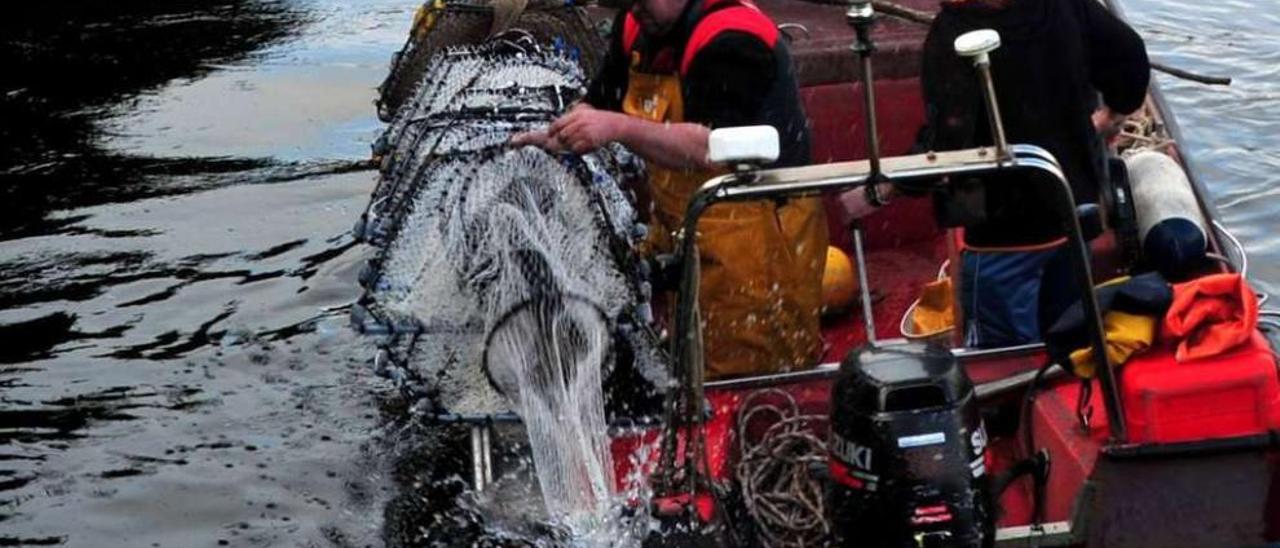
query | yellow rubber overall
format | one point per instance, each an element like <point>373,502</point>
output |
<point>761,263</point>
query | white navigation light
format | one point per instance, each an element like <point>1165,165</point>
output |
<point>743,145</point>
<point>978,44</point>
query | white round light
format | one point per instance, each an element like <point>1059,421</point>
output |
<point>978,42</point>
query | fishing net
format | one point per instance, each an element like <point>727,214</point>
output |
<point>506,279</point>
<point>470,230</point>
<point>443,24</point>
<point>541,354</point>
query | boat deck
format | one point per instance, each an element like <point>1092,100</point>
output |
<point>822,55</point>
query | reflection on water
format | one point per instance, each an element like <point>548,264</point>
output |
<point>69,64</point>
<point>187,373</point>
<point>171,371</point>
<point>176,183</point>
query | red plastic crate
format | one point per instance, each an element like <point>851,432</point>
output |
<point>1234,394</point>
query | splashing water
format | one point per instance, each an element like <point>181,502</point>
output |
<point>548,356</point>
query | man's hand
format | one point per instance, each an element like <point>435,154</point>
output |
<point>585,129</point>
<point>540,138</point>
<point>581,130</point>
<point>854,204</point>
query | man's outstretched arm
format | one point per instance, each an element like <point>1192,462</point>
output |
<point>584,129</point>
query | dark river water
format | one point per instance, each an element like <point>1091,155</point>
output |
<point>177,182</point>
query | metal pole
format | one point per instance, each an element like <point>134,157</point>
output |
<point>862,15</point>
<point>478,457</point>
<point>868,316</point>
<point>869,94</point>
<point>486,447</point>
<point>1080,259</point>
<point>978,45</point>
<point>993,110</point>
<point>684,404</point>
<point>1078,250</point>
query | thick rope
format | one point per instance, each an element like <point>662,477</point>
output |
<point>1143,131</point>
<point>775,473</point>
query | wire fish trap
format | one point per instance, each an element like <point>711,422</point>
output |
<point>441,24</point>
<point>469,229</point>
<point>471,99</point>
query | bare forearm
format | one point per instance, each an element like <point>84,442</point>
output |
<point>584,129</point>
<point>673,146</point>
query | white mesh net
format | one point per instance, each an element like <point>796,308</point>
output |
<point>513,259</point>
<point>547,350</point>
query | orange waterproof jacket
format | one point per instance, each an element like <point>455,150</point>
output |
<point>1211,315</point>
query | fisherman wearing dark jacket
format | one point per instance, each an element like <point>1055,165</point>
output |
<point>1067,72</point>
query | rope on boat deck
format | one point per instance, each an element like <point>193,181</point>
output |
<point>1143,131</point>
<point>780,490</point>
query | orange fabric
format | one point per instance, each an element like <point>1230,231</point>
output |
<point>1211,315</point>
<point>934,313</point>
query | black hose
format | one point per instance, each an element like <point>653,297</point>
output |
<point>1029,444</point>
<point>1036,463</point>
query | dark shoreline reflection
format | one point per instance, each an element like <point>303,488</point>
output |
<point>68,64</point>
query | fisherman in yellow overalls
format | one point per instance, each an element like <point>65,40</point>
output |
<point>675,70</point>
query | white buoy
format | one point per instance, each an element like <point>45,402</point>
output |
<point>1170,226</point>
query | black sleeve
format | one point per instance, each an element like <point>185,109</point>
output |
<point>728,80</point>
<point>1118,64</point>
<point>949,89</point>
<point>609,86</point>
<point>927,138</point>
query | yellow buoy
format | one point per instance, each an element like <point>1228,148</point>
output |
<point>839,281</point>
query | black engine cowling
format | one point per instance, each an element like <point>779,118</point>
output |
<point>908,452</point>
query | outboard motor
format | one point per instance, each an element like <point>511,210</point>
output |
<point>908,452</point>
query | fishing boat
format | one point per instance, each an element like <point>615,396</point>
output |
<point>1150,453</point>
<point>1162,463</point>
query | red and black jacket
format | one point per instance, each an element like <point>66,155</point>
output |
<point>733,64</point>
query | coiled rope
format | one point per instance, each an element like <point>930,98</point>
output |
<point>776,473</point>
<point>1143,131</point>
